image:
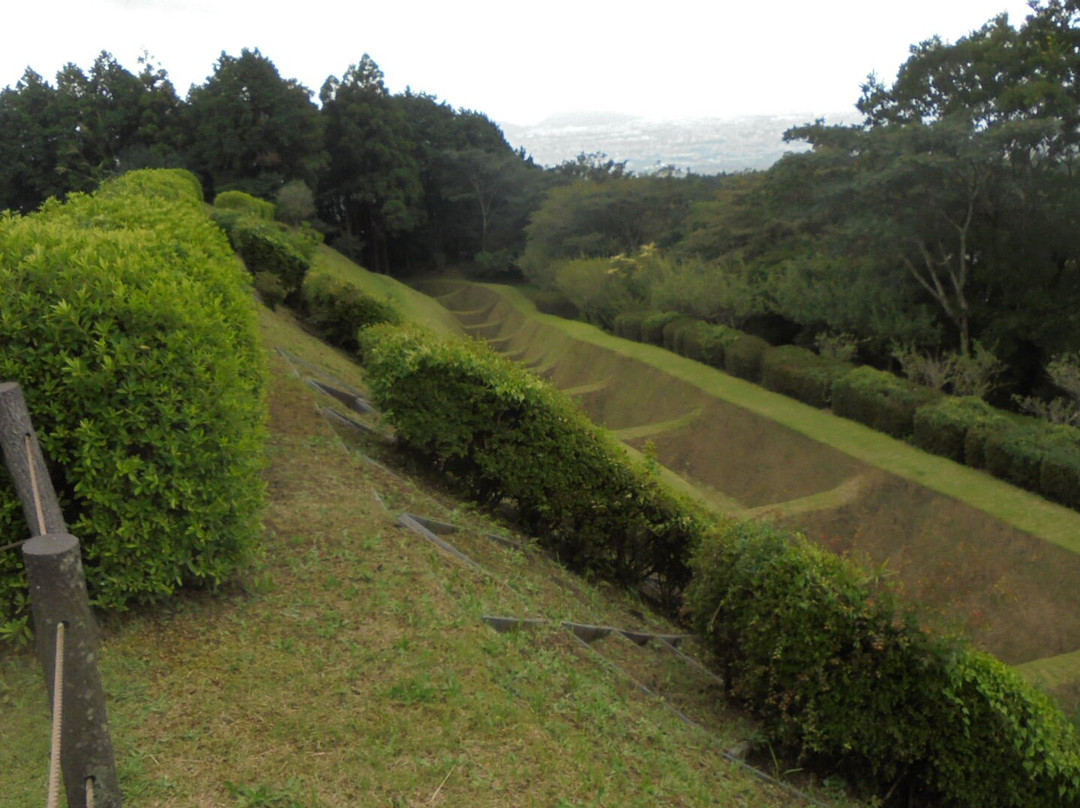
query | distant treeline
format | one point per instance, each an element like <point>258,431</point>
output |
<point>941,235</point>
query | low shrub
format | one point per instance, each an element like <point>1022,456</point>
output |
<point>499,432</point>
<point>245,204</point>
<point>336,310</point>
<point>1013,451</point>
<point>880,400</point>
<point>836,669</point>
<point>1059,473</point>
<point>801,374</point>
<point>743,357</point>
<point>552,301</point>
<point>942,426</point>
<point>270,288</point>
<point>131,329</point>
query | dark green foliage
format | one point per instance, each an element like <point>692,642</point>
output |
<point>246,204</point>
<point>743,357</point>
<point>131,329</point>
<point>836,669</point>
<point>880,400</point>
<point>628,325</point>
<point>336,310</point>
<point>499,432</point>
<point>652,326</point>
<point>942,427</point>
<point>801,374</point>
<point>1014,450</point>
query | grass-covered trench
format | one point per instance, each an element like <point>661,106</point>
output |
<point>351,665</point>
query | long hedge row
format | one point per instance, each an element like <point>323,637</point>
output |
<point>498,432</point>
<point>1024,451</point>
<point>131,328</point>
<point>830,661</point>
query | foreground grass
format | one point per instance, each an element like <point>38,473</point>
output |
<point>351,666</point>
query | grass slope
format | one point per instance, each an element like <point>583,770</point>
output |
<point>351,666</point>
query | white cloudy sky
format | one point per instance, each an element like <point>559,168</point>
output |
<point>518,61</point>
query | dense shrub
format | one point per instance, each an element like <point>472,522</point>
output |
<point>336,310</point>
<point>270,288</point>
<point>743,357</point>
<point>942,426</point>
<point>674,333</point>
<point>267,247</point>
<point>499,432</point>
<point>1059,473</point>
<point>131,329</point>
<point>652,326</point>
<point>628,325</point>
<point>835,669</point>
<point>294,203</point>
<point>880,400</point>
<point>708,343</point>
<point>801,374</point>
<point>245,204</point>
<point>552,301</point>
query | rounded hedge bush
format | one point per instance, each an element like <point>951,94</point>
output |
<point>801,374</point>
<point>336,310</point>
<point>942,427</point>
<point>743,357</point>
<point>881,400</point>
<point>131,329</point>
<point>246,204</point>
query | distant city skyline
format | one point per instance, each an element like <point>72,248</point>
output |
<point>519,65</point>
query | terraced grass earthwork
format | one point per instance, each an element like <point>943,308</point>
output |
<point>974,554</point>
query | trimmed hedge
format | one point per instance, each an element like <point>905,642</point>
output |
<point>336,310</point>
<point>674,332</point>
<point>131,329</point>
<point>836,669</point>
<point>802,374</point>
<point>881,400</point>
<point>743,357</point>
<point>942,427</point>
<point>246,204</point>
<point>499,432</point>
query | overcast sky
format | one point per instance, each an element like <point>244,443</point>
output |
<point>519,62</point>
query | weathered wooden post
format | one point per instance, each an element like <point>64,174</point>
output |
<point>58,596</point>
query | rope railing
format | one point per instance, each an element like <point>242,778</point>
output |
<point>57,720</point>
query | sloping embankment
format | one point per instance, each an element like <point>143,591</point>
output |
<point>997,563</point>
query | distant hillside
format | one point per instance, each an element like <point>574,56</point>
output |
<point>701,145</point>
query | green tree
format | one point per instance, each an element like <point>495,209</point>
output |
<point>372,188</point>
<point>252,130</point>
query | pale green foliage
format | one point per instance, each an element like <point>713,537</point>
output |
<point>295,203</point>
<point>1064,372</point>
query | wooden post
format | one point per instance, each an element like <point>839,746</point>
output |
<point>15,427</point>
<point>58,595</point>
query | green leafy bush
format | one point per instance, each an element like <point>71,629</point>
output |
<point>942,426</point>
<point>708,343</point>
<point>835,668</point>
<point>1014,452</point>
<point>336,310</point>
<point>1059,474</point>
<point>267,247</point>
<point>271,291</point>
<point>246,204</point>
<point>880,400</point>
<point>743,357</point>
<point>499,432</point>
<point>131,329</point>
<point>801,374</point>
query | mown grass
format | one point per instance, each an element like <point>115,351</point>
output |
<point>351,666</point>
